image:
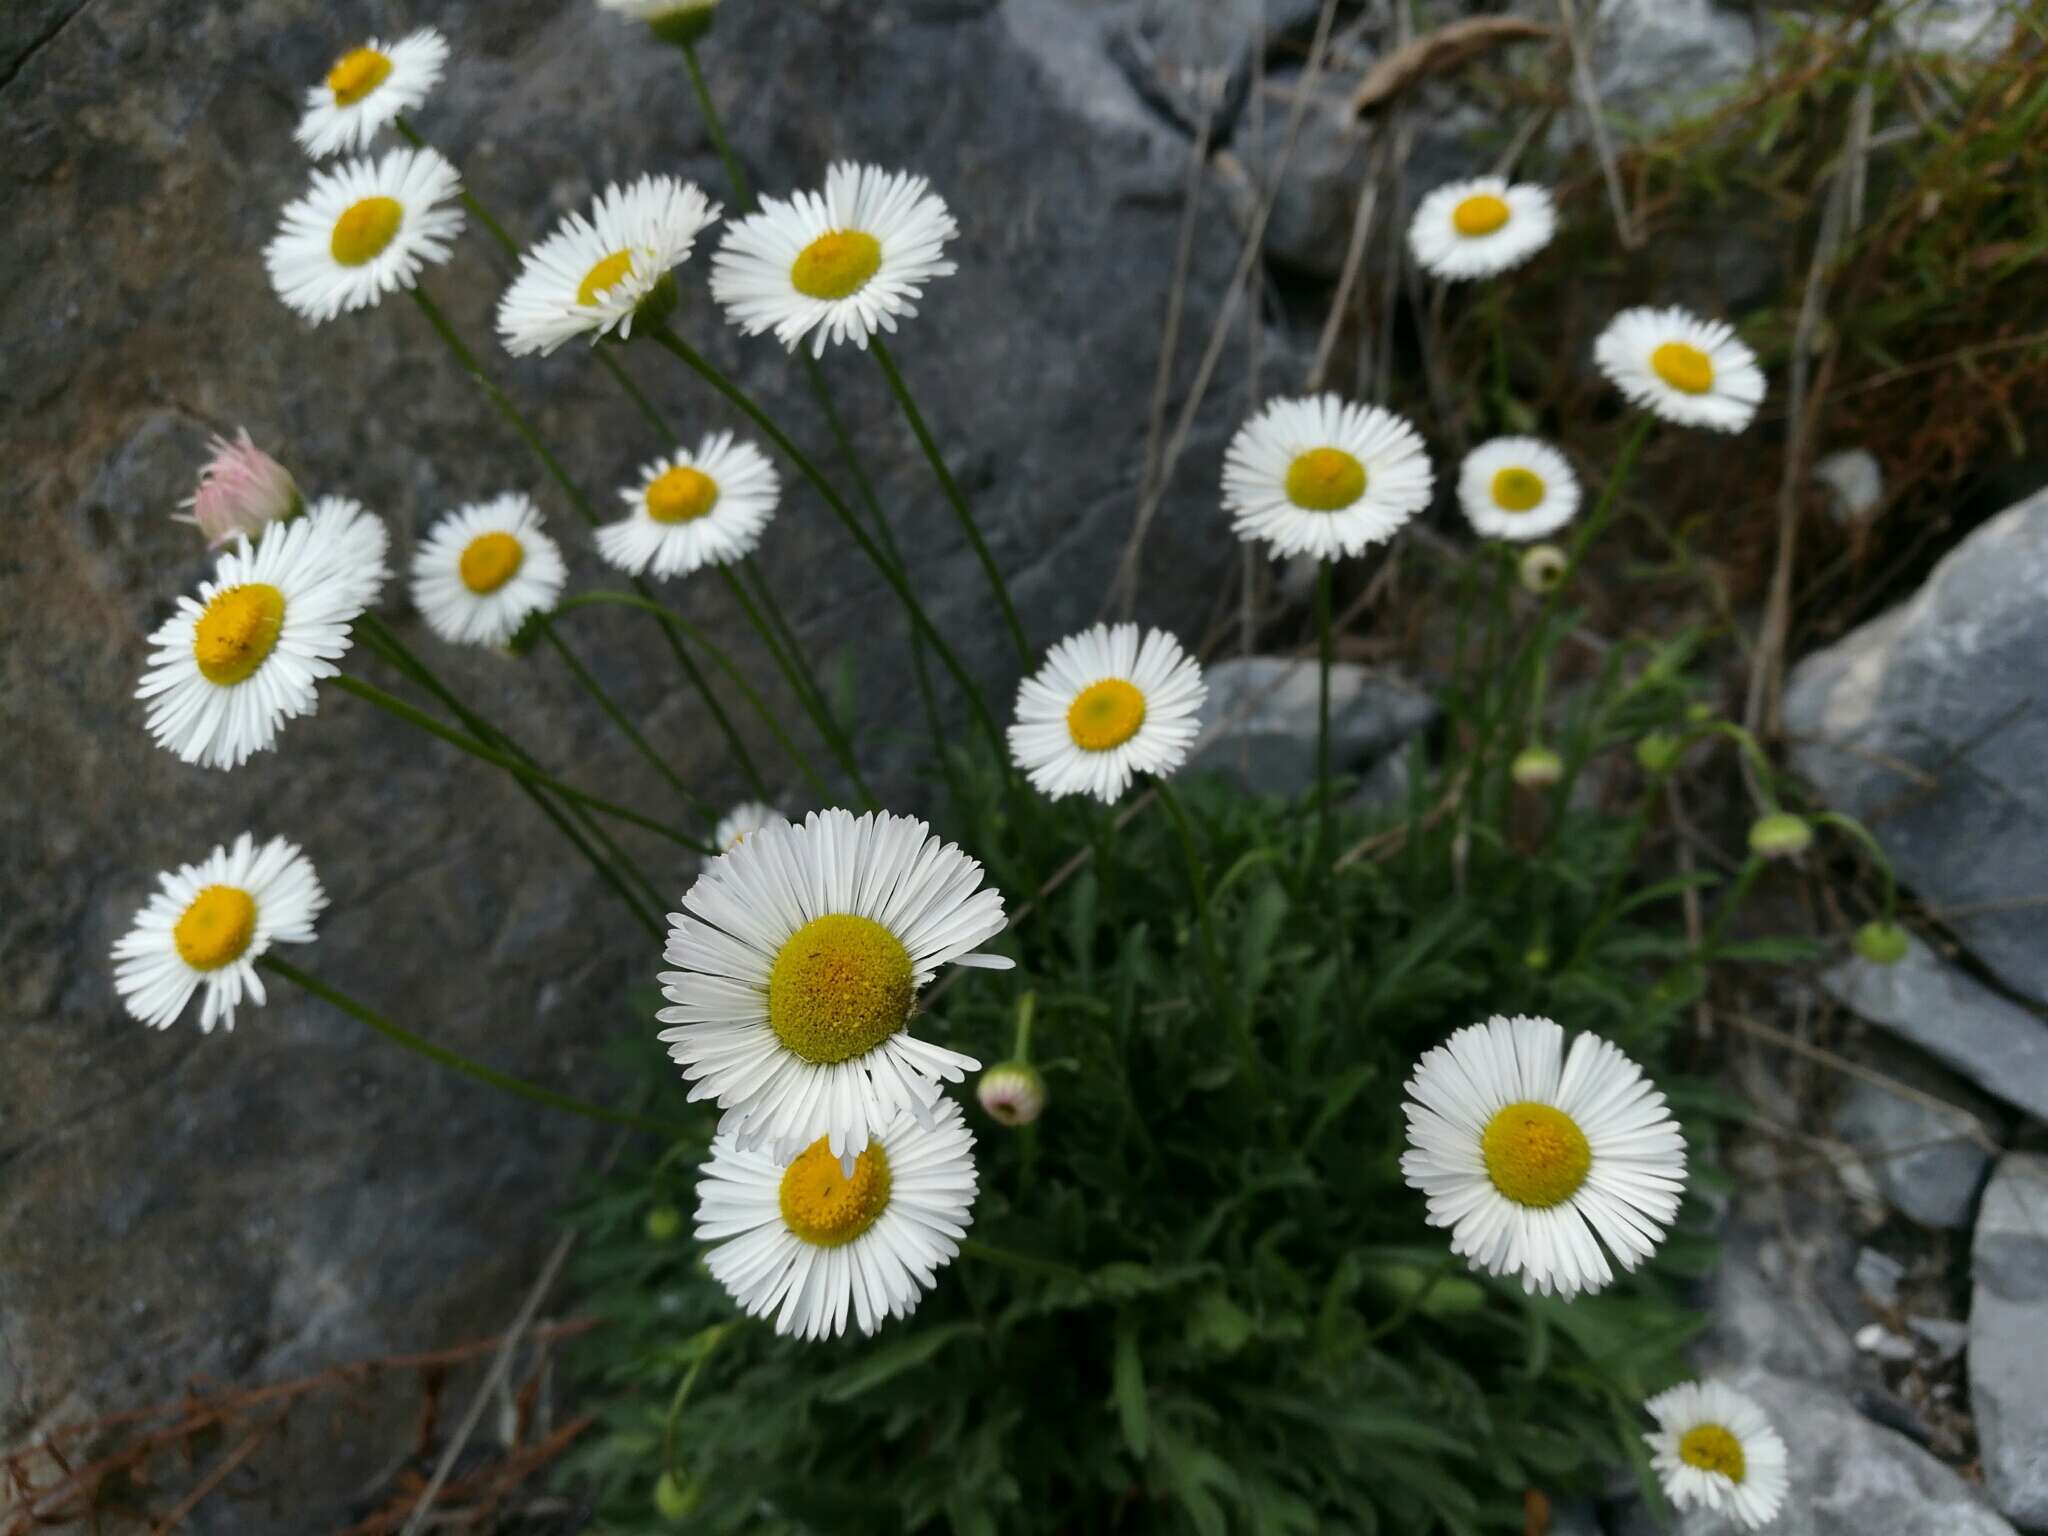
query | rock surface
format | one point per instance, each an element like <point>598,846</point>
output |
<point>2009,1337</point>
<point>1992,1041</point>
<point>1259,724</point>
<point>249,1206</point>
<point>1926,724</point>
<point>1928,1154</point>
<point>1850,1477</point>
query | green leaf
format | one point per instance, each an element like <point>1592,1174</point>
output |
<point>1127,1386</point>
<point>905,1352</point>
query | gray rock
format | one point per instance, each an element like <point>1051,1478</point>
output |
<point>1854,481</point>
<point>1928,1158</point>
<point>245,1207</point>
<point>1784,1298</point>
<point>2009,1337</point>
<point>1850,1477</point>
<point>1655,61</point>
<point>1926,724</point>
<point>1944,1336</point>
<point>1309,227</point>
<point>1975,28</point>
<point>1259,725</point>
<point>1877,1277</point>
<point>1995,1043</point>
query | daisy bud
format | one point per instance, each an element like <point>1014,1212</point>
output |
<point>1780,835</point>
<point>242,490</point>
<point>1537,957</point>
<point>1012,1092</point>
<point>675,1497</point>
<point>662,1223</point>
<point>1658,752</point>
<point>1536,768</point>
<point>1881,943</point>
<point>1542,569</point>
<point>680,22</point>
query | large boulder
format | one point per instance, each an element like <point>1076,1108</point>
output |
<point>2009,1337</point>
<point>254,1205</point>
<point>1926,724</point>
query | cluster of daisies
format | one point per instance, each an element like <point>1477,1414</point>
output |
<point>842,1176</point>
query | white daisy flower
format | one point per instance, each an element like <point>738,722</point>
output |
<point>1107,706</point>
<point>208,925</point>
<point>740,823</point>
<point>357,542</point>
<point>1323,478</point>
<point>241,658</point>
<point>485,569</point>
<point>673,21</point>
<point>368,89</point>
<point>809,1240</point>
<point>599,272</point>
<point>844,263</point>
<point>365,228</point>
<point>1716,1449</point>
<point>1480,228</point>
<point>1527,1155</point>
<point>694,509</point>
<point>1681,368</point>
<point>800,955</point>
<point>1517,488</point>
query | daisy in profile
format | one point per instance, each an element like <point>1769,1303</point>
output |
<point>1324,478</point>
<point>673,21</point>
<point>367,89</point>
<point>740,823</point>
<point>208,925</point>
<point>799,957</point>
<point>600,272</point>
<point>484,570</point>
<point>1528,1155</point>
<point>234,663</point>
<point>838,265</point>
<point>242,490</point>
<point>357,543</point>
<point>1107,705</point>
<point>1517,488</point>
<point>365,228</point>
<point>808,1240</point>
<point>1480,228</point>
<point>1681,368</point>
<point>1715,1449</point>
<point>694,509</point>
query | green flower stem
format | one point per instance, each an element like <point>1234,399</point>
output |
<point>1326,645</point>
<point>618,717</point>
<point>954,495</point>
<point>517,421</point>
<point>742,193</point>
<point>371,693</point>
<point>647,912</point>
<point>440,1055</point>
<point>682,626</point>
<point>1862,834</point>
<point>1027,1006</point>
<point>1729,903</point>
<point>806,693</point>
<point>1212,954</point>
<point>890,573</point>
<point>470,201</point>
<point>1414,1304</point>
<point>1617,881</point>
<point>712,1337</point>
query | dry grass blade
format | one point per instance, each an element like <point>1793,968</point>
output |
<point>1596,121</point>
<point>1440,52</point>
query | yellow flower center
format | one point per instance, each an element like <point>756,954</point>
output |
<point>601,278</point>
<point>1325,480</point>
<point>364,229</point>
<point>1712,1449</point>
<point>1105,715</point>
<point>1517,490</point>
<point>1684,367</point>
<point>237,631</point>
<point>840,987</point>
<point>1479,215</point>
<point>835,265</point>
<point>823,1206</point>
<point>681,495</point>
<point>1535,1154</point>
<point>491,560</point>
<point>355,74</point>
<point>216,928</point>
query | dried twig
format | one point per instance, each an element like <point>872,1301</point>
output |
<point>1438,53</point>
<point>1596,120</point>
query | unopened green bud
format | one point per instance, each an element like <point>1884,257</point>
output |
<point>1537,957</point>
<point>1657,752</point>
<point>1543,567</point>
<point>675,1497</point>
<point>1881,943</point>
<point>1013,1092</point>
<point>1780,835</point>
<point>1536,768</point>
<point>685,22</point>
<point>662,1224</point>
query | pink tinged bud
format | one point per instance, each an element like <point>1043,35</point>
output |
<point>1012,1092</point>
<point>242,490</point>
